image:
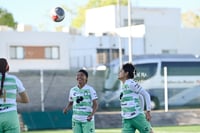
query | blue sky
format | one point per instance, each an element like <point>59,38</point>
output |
<point>36,12</point>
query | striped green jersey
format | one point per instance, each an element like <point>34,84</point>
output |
<point>12,86</point>
<point>82,102</point>
<point>130,101</point>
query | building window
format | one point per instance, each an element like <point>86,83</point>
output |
<point>134,22</point>
<point>52,52</point>
<point>169,51</point>
<point>34,52</point>
<point>104,56</point>
<point>16,52</point>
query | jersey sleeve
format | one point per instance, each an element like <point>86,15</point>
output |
<point>135,87</point>
<point>20,85</point>
<point>141,91</point>
<point>147,99</point>
<point>93,94</point>
<point>70,96</point>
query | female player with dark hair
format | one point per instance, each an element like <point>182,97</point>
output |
<point>83,101</point>
<point>133,117</point>
<point>11,86</point>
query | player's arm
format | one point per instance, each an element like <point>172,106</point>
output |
<point>147,99</point>
<point>22,97</point>
<point>94,109</point>
<point>68,107</point>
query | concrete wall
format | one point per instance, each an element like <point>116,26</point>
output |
<point>159,118</point>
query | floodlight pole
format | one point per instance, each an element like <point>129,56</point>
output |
<point>119,38</point>
<point>129,25</point>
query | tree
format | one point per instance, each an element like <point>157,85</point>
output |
<point>7,19</point>
<point>191,19</point>
<point>79,20</point>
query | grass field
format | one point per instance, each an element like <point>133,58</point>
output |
<point>174,129</point>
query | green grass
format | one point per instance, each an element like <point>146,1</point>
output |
<point>173,129</point>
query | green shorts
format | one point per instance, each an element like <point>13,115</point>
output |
<point>9,122</point>
<point>139,122</point>
<point>83,127</point>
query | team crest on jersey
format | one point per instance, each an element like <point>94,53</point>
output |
<point>125,86</point>
<point>91,130</point>
<point>86,93</point>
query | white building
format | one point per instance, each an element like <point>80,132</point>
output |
<point>54,50</point>
<point>159,28</point>
<point>154,30</point>
<point>35,50</point>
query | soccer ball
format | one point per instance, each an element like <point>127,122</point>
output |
<point>57,14</point>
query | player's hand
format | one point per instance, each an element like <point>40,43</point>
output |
<point>148,116</point>
<point>65,111</point>
<point>89,118</point>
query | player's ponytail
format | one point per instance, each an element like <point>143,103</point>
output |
<point>4,67</point>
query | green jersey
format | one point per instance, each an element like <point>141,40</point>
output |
<point>12,86</point>
<point>82,102</point>
<point>130,101</point>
